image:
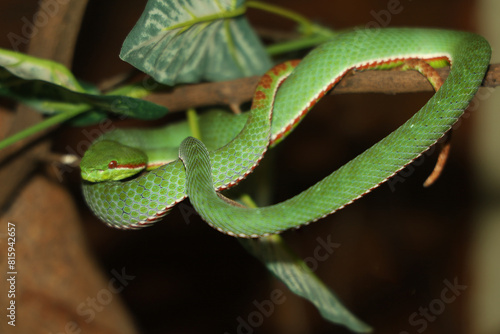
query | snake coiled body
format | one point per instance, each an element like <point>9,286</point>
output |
<point>137,202</point>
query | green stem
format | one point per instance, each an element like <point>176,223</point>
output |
<point>131,90</point>
<point>47,123</point>
<point>192,118</point>
<point>305,23</point>
<point>248,201</point>
<point>217,16</point>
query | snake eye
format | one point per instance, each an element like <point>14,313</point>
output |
<point>112,164</point>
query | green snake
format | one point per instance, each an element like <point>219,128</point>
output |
<point>234,144</point>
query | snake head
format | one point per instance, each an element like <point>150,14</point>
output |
<point>108,160</point>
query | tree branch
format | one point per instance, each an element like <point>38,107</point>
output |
<point>236,92</point>
<point>241,90</point>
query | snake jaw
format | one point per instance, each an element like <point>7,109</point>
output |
<point>114,174</point>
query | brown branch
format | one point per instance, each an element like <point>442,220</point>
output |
<point>236,92</point>
<point>241,90</point>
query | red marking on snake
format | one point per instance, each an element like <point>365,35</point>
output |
<point>265,81</point>
<point>323,92</point>
<point>279,68</point>
<point>428,71</point>
<point>397,60</point>
<point>258,99</point>
<point>259,95</point>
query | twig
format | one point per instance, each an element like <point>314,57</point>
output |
<point>235,92</point>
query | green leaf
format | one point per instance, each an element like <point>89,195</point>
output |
<point>51,88</point>
<point>31,68</point>
<point>292,271</point>
<point>187,41</point>
<point>51,99</point>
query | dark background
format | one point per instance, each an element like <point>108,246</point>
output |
<point>397,245</point>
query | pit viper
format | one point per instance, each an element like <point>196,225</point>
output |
<point>232,145</point>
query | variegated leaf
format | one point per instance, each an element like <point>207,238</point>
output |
<point>187,41</point>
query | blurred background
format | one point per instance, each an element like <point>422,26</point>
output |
<point>407,259</point>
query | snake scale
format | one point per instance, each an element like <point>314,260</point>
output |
<point>234,144</point>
